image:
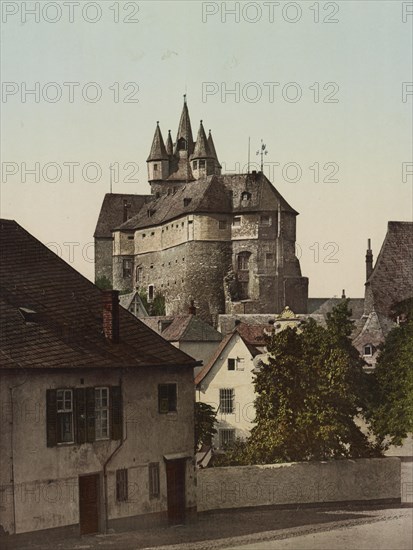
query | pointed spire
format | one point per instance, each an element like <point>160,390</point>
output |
<point>212,149</point>
<point>158,151</point>
<point>184,129</point>
<point>169,144</point>
<point>201,147</point>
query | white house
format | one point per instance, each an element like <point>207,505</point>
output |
<point>226,383</point>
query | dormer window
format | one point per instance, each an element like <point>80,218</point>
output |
<point>368,350</point>
<point>195,165</point>
<point>181,144</point>
<point>151,212</point>
<point>201,164</point>
<point>246,196</point>
<point>187,202</point>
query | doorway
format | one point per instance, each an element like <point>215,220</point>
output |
<point>175,479</point>
<point>89,503</point>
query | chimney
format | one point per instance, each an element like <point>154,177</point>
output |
<point>369,260</point>
<point>343,294</point>
<point>110,300</point>
<point>192,308</point>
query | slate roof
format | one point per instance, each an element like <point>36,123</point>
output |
<point>201,149</point>
<point>111,213</point>
<point>204,195</point>
<point>211,146</point>
<point>391,280</point>
<point>184,129</point>
<point>184,328</point>
<point>322,306</point>
<point>158,151</point>
<point>67,332</point>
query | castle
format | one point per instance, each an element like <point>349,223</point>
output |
<point>225,241</point>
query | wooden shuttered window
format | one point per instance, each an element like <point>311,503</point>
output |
<point>84,415</point>
<point>115,412</point>
<point>51,418</point>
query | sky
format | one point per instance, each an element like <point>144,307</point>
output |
<point>327,86</point>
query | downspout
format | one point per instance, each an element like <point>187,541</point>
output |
<point>105,474</point>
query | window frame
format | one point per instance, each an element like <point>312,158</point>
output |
<point>243,261</point>
<point>231,361</point>
<point>370,346</point>
<point>236,221</point>
<point>226,400</point>
<point>226,431</point>
<point>265,220</point>
<point>154,484</point>
<point>172,399</point>
<point>122,485</point>
<point>127,271</point>
<point>98,411</point>
<point>64,411</point>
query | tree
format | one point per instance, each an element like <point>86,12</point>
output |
<point>103,283</point>
<point>391,415</point>
<point>204,424</point>
<point>157,306</point>
<point>309,394</point>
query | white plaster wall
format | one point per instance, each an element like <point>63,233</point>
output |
<point>298,483</point>
<point>242,383</point>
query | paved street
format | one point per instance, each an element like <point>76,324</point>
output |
<point>359,528</point>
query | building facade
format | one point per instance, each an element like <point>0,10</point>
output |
<point>97,426</point>
<point>225,241</point>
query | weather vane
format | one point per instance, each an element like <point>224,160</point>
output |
<point>262,151</point>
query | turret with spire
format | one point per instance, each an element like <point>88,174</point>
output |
<point>202,159</point>
<point>158,160</point>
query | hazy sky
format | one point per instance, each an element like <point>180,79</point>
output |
<point>320,82</point>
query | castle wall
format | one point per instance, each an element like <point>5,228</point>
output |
<point>103,258</point>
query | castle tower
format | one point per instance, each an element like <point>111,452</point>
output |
<point>169,145</point>
<point>212,149</point>
<point>158,160</point>
<point>184,145</point>
<point>202,159</point>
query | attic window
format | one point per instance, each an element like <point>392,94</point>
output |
<point>368,350</point>
<point>245,196</point>
<point>29,315</point>
<point>187,202</point>
<point>151,212</point>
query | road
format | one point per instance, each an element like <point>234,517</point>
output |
<point>348,527</point>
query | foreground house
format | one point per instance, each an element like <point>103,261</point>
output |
<point>97,410</point>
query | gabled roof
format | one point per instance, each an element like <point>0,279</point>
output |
<point>183,328</point>
<point>66,329</point>
<point>264,196</point>
<point>391,280</point>
<point>220,349</point>
<point>373,329</point>
<point>129,300</point>
<point>322,306</point>
<point>158,151</point>
<point>112,210</point>
<point>203,195</point>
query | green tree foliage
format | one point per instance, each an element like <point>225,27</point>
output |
<point>392,413</point>
<point>204,424</point>
<point>103,283</point>
<point>308,395</point>
<point>157,306</point>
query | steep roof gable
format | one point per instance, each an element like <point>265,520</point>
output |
<point>67,328</point>
<point>112,211</point>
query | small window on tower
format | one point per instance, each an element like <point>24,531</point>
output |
<point>201,164</point>
<point>151,293</point>
<point>368,350</point>
<point>236,222</point>
<point>246,195</point>
<point>195,165</point>
<point>187,202</point>
<point>222,224</point>
<point>127,268</point>
<point>265,220</point>
<point>155,167</point>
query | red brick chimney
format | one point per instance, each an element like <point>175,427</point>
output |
<point>110,299</point>
<point>369,260</point>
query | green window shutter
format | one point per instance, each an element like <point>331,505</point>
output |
<point>80,415</point>
<point>90,415</point>
<point>51,418</point>
<point>115,412</point>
